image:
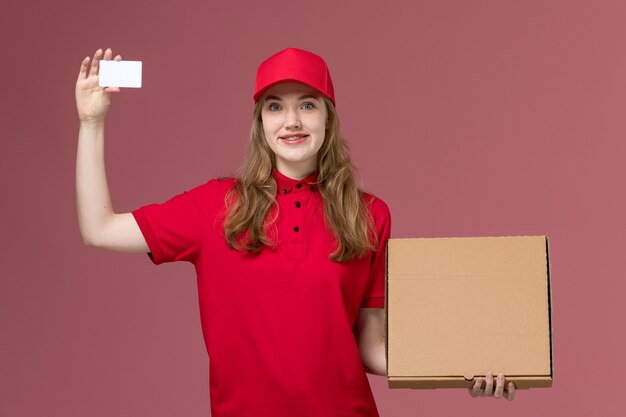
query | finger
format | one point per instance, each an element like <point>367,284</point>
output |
<point>111,89</point>
<point>94,63</point>
<point>488,385</point>
<point>499,386</point>
<point>510,393</point>
<point>477,388</point>
<point>118,58</point>
<point>108,54</point>
<point>83,68</point>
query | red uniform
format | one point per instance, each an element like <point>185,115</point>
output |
<point>278,325</point>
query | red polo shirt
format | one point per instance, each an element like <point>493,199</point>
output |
<point>278,325</point>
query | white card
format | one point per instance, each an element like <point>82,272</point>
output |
<point>120,73</point>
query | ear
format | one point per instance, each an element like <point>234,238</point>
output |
<point>326,104</point>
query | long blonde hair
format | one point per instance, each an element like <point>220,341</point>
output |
<point>251,201</point>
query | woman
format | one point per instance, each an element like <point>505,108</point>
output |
<point>289,255</point>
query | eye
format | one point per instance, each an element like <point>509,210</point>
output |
<point>308,105</point>
<point>273,106</point>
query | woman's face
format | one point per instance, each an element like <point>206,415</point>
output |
<point>294,122</point>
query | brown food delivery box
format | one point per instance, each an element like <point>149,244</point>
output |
<point>459,307</point>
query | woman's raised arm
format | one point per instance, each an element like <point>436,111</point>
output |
<point>99,225</point>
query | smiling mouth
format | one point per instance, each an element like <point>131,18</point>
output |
<point>293,138</point>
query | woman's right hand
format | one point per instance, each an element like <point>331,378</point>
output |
<point>93,101</point>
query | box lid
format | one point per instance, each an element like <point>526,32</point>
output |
<point>457,308</point>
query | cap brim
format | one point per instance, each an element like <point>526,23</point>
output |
<point>260,93</point>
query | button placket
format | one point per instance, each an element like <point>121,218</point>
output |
<point>301,196</point>
<point>297,221</point>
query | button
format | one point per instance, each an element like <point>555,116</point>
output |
<point>284,191</point>
<point>312,188</point>
<point>297,204</point>
<point>296,229</point>
<point>298,185</point>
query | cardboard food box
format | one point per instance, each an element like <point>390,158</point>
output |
<point>459,307</point>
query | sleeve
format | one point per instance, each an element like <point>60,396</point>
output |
<point>375,293</point>
<point>175,230</point>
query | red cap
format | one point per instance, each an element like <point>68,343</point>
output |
<point>294,64</point>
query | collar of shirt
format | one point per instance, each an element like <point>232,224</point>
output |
<point>286,185</point>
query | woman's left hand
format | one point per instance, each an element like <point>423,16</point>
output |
<point>484,387</point>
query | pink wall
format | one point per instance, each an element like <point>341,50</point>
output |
<point>468,118</point>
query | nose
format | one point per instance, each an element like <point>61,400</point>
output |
<point>292,120</point>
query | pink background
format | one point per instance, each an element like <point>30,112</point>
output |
<point>469,118</point>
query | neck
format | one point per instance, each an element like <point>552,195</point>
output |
<point>296,172</point>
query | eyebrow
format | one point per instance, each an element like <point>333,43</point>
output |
<point>299,98</point>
